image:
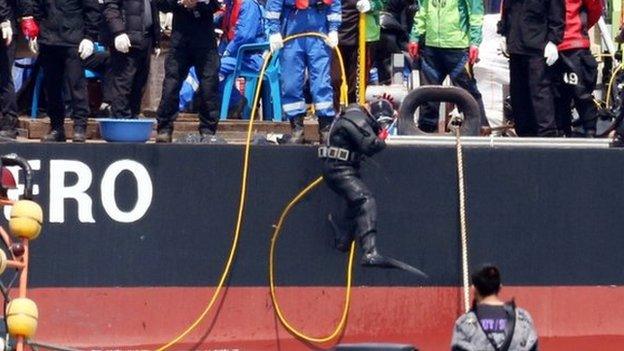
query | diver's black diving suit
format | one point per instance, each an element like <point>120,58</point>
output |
<point>352,136</point>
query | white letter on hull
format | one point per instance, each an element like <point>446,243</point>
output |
<point>144,191</point>
<point>59,192</point>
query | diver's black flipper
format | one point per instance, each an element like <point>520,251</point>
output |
<point>377,260</point>
<point>342,240</point>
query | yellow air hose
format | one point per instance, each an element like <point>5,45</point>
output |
<point>611,81</point>
<point>362,59</point>
<point>243,192</point>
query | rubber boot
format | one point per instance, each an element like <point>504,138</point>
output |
<point>371,256</point>
<point>296,125</point>
<point>324,126</point>
<point>54,135</point>
<point>80,134</point>
<point>164,136</point>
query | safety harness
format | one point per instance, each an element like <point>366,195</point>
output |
<point>510,326</point>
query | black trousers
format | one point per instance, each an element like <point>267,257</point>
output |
<point>129,73</point>
<point>177,64</point>
<point>576,75</point>
<point>100,62</point>
<point>435,65</point>
<point>8,105</point>
<point>350,57</point>
<point>361,211</point>
<point>60,64</point>
<point>532,97</point>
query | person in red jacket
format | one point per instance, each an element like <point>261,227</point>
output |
<point>577,70</point>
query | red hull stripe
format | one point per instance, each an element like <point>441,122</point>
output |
<point>568,318</point>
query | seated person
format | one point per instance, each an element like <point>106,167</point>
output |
<point>492,324</point>
<point>247,30</point>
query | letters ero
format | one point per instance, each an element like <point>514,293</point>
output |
<point>80,176</point>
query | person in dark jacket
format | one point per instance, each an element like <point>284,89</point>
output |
<point>68,29</point>
<point>8,106</point>
<point>354,135</point>
<point>135,29</point>
<point>532,31</point>
<point>577,69</point>
<point>193,44</point>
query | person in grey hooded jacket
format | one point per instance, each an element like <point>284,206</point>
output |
<point>491,324</point>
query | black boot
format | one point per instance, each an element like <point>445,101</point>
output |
<point>54,135</point>
<point>80,134</point>
<point>372,258</point>
<point>297,127</point>
<point>324,125</point>
<point>164,136</point>
<point>208,136</point>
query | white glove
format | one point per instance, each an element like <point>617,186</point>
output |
<point>502,46</point>
<point>332,39</point>
<point>363,6</point>
<point>122,43</point>
<point>276,42</point>
<point>7,32</point>
<point>85,48</point>
<point>33,46</point>
<point>551,53</point>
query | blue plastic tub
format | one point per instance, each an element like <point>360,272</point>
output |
<point>126,130</point>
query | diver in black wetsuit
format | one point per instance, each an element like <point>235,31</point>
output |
<point>354,135</point>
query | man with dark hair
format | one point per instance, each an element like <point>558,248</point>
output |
<point>492,324</point>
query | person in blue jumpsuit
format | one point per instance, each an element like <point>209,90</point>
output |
<point>290,17</point>
<point>248,30</point>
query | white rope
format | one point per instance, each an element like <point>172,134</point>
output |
<point>462,218</point>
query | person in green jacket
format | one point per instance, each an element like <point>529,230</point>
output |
<point>349,34</point>
<point>446,37</point>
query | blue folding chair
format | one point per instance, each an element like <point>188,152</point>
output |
<point>34,105</point>
<point>89,74</point>
<point>271,98</point>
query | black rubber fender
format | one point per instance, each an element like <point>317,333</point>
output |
<point>433,93</point>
